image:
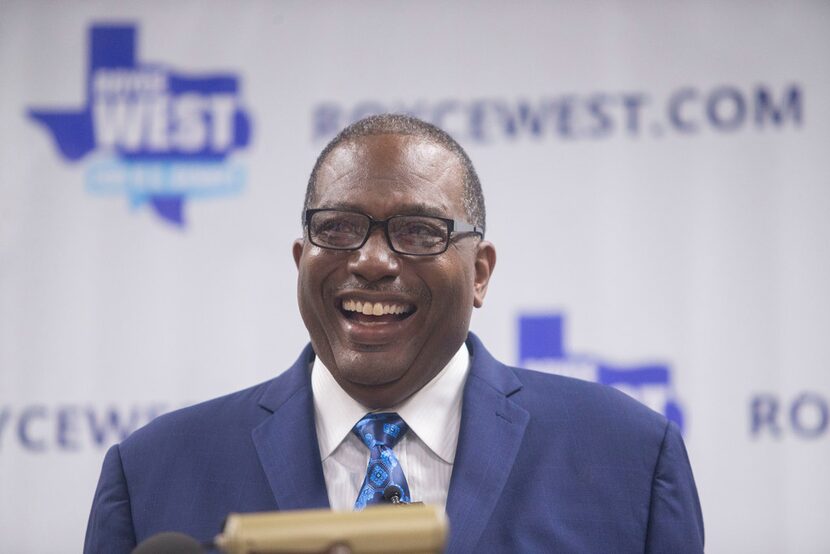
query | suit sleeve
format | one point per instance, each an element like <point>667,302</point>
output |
<point>675,520</point>
<point>110,528</point>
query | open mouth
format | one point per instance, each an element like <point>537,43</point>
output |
<point>375,312</point>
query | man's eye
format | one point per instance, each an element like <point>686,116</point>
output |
<point>421,230</point>
<point>338,232</point>
<point>336,226</point>
<point>419,234</point>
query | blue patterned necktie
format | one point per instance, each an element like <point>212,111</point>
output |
<point>380,432</point>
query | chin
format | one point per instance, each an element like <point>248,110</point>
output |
<point>370,372</point>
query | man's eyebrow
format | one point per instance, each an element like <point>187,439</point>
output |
<point>415,208</point>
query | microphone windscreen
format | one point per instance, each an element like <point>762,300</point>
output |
<point>169,542</point>
<point>392,491</point>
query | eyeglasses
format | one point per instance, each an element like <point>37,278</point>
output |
<point>414,235</point>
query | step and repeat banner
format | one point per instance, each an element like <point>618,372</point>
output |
<point>657,180</point>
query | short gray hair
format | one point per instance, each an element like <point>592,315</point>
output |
<point>400,124</point>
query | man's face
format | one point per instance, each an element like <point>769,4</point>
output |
<point>380,360</point>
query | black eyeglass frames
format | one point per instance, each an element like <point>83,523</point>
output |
<point>413,235</point>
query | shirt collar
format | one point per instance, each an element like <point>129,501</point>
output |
<point>433,413</point>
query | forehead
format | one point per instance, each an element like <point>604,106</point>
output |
<point>388,174</point>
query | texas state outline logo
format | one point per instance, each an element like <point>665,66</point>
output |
<point>542,348</point>
<point>152,134</point>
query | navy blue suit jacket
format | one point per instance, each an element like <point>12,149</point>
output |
<point>544,464</point>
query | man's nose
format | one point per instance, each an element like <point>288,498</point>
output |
<point>374,260</point>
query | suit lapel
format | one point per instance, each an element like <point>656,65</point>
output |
<point>492,427</point>
<point>286,441</point>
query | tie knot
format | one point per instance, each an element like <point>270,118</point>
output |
<point>383,428</point>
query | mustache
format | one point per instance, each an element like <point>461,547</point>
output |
<point>384,288</point>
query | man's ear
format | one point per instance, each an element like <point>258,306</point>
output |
<point>484,265</point>
<point>297,251</point>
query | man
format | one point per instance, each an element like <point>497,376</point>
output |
<point>394,393</point>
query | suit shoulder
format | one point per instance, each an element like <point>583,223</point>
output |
<point>239,409</point>
<point>587,403</point>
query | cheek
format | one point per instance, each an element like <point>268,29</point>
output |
<point>451,285</point>
<point>315,267</point>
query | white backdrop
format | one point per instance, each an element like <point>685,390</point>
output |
<point>657,183</point>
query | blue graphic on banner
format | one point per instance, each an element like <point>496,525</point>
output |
<point>542,347</point>
<point>164,137</point>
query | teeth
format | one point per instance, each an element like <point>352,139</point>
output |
<point>376,308</point>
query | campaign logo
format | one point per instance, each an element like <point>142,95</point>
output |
<point>542,347</point>
<point>156,136</point>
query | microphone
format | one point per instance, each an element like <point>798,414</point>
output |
<point>393,494</point>
<point>169,542</point>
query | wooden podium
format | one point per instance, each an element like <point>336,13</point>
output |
<point>386,529</point>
